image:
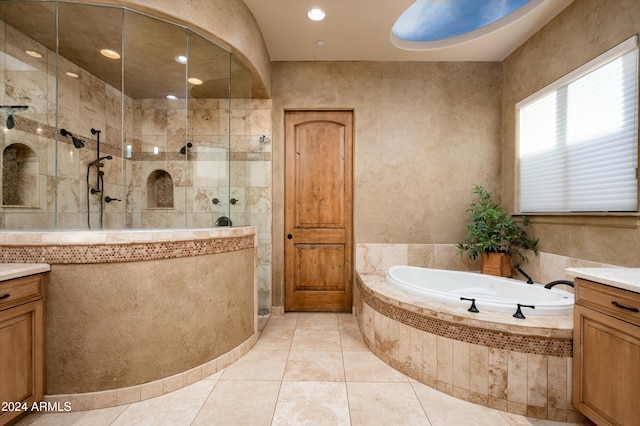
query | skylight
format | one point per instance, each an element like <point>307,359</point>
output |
<point>436,20</point>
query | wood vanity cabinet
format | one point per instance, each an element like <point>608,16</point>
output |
<point>21,344</point>
<point>606,354</point>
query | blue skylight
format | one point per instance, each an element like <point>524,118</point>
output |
<point>431,20</point>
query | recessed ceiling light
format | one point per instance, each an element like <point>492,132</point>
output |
<point>172,97</point>
<point>194,81</point>
<point>319,43</point>
<point>316,14</point>
<point>182,59</point>
<point>72,74</point>
<point>33,54</point>
<point>109,53</point>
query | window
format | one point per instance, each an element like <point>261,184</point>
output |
<point>578,138</point>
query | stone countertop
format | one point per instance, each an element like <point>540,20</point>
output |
<point>623,278</point>
<point>9,271</point>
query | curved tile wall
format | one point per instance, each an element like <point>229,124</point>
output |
<point>492,359</point>
<point>134,314</point>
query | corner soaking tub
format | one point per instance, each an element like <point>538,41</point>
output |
<point>491,293</point>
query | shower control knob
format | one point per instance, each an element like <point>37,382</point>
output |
<point>233,201</point>
<point>215,201</point>
<point>109,199</point>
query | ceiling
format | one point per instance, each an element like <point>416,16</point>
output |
<point>359,30</point>
<point>150,45</point>
<point>354,30</point>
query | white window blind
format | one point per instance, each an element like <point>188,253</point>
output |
<point>578,138</point>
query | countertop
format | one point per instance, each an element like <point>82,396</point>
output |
<point>624,278</point>
<point>9,271</point>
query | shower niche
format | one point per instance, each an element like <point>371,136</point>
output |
<point>173,109</point>
<point>20,176</point>
<point>160,190</point>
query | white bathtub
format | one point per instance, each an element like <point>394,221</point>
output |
<point>491,293</point>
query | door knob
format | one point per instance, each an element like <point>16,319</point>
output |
<point>289,236</point>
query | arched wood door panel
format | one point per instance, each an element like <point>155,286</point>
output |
<point>318,210</point>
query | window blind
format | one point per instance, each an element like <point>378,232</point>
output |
<point>578,138</point>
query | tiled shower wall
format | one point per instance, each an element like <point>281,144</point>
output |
<point>228,159</point>
<point>543,268</point>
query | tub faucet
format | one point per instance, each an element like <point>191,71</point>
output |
<point>473,307</point>
<point>529,280</point>
<point>519,314</point>
<point>554,283</point>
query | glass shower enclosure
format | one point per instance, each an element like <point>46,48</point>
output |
<point>113,119</point>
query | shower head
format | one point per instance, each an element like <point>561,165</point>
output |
<point>9,110</point>
<point>183,150</point>
<point>96,163</point>
<point>78,143</point>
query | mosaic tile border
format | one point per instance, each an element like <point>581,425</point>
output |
<point>131,252</point>
<point>36,128</point>
<point>202,156</point>
<point>46,131</point>
<point>560,347</point>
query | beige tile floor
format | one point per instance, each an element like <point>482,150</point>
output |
<point>306,369</point>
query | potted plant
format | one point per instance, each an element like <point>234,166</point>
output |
<point>494,236</point>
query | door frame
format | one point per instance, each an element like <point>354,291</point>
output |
<point>351,238</point>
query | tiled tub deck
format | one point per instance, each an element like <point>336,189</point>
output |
<point>489,358</point>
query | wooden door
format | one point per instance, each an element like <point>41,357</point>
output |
<point>318,210</point>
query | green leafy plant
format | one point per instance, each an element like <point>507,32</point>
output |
<point>492,230</point>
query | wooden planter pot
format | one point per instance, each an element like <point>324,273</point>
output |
<point>496,264</point>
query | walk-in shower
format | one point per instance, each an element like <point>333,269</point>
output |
<point>115,120</point>
<point>126,105</point>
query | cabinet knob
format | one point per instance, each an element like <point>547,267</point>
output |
<point>289,236</point>
<point>4,296</point>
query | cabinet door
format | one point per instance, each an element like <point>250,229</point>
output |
<point>21,356</point>
<point>606,368</point>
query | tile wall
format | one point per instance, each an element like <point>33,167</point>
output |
<point>543,268</point>
<point>229,157</point>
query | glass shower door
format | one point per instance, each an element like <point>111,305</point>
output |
<point>208,157</point>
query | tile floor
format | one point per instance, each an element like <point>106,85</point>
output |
<point>306,369</point>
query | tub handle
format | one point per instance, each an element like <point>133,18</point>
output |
<point>473,307</point>
<point>629,308</point>
<point>519,314</point>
